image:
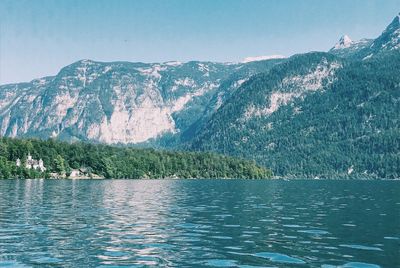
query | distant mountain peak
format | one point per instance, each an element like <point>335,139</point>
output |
<point>367,48</point>
<point>388,40</point>
<point>344,42</point>
<point>258,58</point>
<point>394,25</point>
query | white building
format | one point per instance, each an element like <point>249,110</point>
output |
<point>75,173</point>
<point>32,163</point>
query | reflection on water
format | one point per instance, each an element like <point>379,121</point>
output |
<point>195,223</point>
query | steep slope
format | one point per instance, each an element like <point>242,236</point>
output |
<point>120,102</point>
<point>227,88</point>
<point>116,102</point>
<point>315,115</point>
<point>389,40</point>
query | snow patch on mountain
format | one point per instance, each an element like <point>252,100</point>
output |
<point>258,58</point>
<point>173,63</point>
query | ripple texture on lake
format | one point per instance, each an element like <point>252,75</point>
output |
<point>199,223</point>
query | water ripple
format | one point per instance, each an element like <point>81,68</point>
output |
<point>277,257</point>
<point>195,223</point>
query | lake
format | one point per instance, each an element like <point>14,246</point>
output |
<point>199,223</point>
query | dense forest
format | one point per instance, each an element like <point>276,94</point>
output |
<point>113,162</point>
<point>349,128</point>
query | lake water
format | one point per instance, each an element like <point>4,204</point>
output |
<point>199,223</point>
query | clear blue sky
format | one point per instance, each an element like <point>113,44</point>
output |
<point>38,37</point>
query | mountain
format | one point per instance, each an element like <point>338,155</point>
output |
<point>344,42</point>
<point>389,40</point>
<point>315,115</point>
<point>320,114</point>
<point>259,58</point>
<point>117,102</point>
<point>365,48</point>
<point>227,89</point>
<point>345,47</point>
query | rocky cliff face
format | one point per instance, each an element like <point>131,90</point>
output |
<point>117,102</point>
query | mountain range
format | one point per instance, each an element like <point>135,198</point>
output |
<point>319,114</point>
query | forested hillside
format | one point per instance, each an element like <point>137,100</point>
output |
<point>113,162</point>
<point>347,126</point>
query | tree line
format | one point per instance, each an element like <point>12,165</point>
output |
<point>119,162</point>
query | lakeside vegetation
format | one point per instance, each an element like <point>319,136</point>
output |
<point>61,158</point>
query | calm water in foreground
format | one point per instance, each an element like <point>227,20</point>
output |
<point>196,223</point>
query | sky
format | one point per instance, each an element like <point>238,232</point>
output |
<point>39,37</point>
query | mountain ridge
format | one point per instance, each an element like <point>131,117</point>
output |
<point>366,48</point>
<point>348,123</point>
<point>231,108</point>
<point>65,104</point>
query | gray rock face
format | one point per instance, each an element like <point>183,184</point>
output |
<point>118,102</point>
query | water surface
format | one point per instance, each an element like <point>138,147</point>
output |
<point>199,223</point>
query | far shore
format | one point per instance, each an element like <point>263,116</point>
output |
<point>275,178</point>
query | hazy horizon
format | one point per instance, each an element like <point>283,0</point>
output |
<point>38,38</point>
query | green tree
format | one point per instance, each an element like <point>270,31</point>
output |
<point>59,164</point>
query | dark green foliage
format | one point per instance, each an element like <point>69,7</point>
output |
<point>352,124</point>
<point>114,162</point>
<point>387,41</point>
<point>59,164</point>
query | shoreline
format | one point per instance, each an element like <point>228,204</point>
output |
<point>221,178</point>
